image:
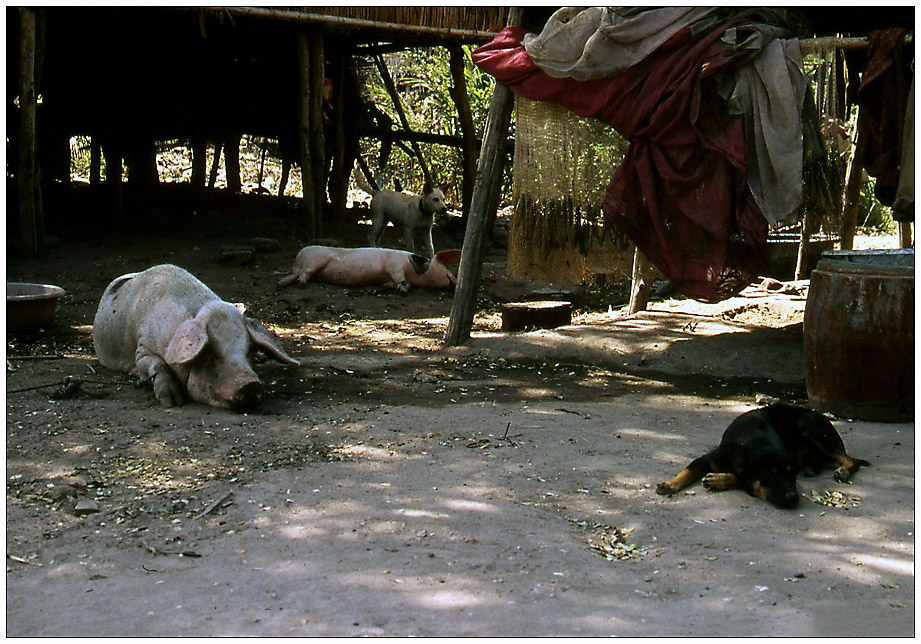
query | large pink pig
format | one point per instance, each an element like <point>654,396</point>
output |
<point>166,326</point>
<point>398,269</point>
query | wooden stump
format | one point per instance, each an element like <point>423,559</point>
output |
<point>525,316</point>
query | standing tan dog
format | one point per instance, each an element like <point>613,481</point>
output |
<point>415,213</point>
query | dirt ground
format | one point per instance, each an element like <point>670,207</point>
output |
<point>389,486</point>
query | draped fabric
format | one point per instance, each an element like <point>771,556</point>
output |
<point>882,97</point>
<point>681,192</point>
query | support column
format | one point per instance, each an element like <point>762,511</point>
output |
<point>310,131</point>
<point>483,205</point>
<point>31,217</point>
<point>462,101</point>
<point>641,285</point>
<point>852,182</point>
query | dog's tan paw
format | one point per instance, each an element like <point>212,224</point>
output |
<point>717,482</point>
<point>843,475</point>
<point>665,488</point>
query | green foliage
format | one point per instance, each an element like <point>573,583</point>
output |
<point>871,213</point>
<point>423,80</point>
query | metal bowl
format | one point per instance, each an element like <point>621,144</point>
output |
<point>31,306</point>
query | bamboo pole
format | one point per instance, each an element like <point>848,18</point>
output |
<point>813,45</point>
<point>420,137</point>
<point>483,206</point>
<point>471,35</point>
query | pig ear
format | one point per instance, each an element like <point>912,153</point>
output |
<point>188,341</point>
<point>448,256</point>
<point>266,340</point>
<point>419,263</point>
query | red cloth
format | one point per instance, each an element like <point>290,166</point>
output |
<point>680,193</point>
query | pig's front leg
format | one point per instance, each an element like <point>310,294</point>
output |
<point>152,367</point>
<point>398,279</point>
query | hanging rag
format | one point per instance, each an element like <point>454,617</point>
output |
<point>768,91</point>
<point>882,98</point>
<point>904,207</point>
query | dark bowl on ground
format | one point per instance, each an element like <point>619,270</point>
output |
<point>31,306</point>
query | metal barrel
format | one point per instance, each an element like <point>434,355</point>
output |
<point>858,335</point>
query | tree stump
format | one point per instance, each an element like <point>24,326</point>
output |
<point>526,316</point>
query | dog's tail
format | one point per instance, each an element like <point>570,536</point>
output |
<point>363,182</point>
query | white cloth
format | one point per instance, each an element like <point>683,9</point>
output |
<point>596,42</point>
<point>768,92</point>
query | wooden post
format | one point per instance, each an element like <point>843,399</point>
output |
<point>462,101</point>
<point>339,179</point>
<point>642,283</point>
<point>906,237</point>
<point>310,130</point>
<point>215,163</point>
<point>317,137</point>
<point>199,162</point>
<point>483,206</point>
<point>31,219</point>
<point>95,161</point>
<point>852,182</point>
<point>392,90</point>
<point>232,163</point>
<point>366,171</point>
<point>114,155</point>
<point>283,182</point>
<point>802,253</point>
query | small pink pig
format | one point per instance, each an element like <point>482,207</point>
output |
<point>166,326</point>
<point>372,266</point>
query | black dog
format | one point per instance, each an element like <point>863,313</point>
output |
<point>763,450</point>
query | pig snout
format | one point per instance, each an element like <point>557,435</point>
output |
<point>247,396</point>
<point>239,395</point>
